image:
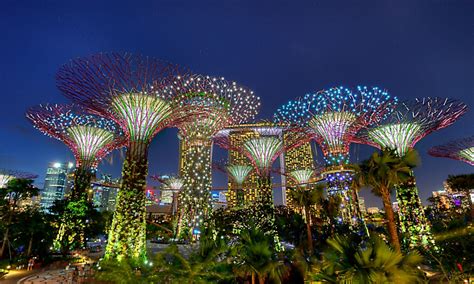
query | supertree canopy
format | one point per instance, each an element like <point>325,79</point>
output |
<point>461,149</point>
<point>334,117</point>
<point>213,103</point>
<point>90,138</point>
<point>302,177</point>
<point>130,90</point>
<point>7,175</point>
<point>239,173</point>
<point>407,125</point>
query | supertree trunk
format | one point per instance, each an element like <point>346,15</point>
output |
<point>414,225</point>
<point>264,209</point>
<point>197,178</point>
<point>71,233</point>
<point>127,235</point>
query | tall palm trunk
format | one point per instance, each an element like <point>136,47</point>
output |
<point>392,228</point>
<point>308,230</point>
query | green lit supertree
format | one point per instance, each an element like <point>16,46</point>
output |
<point>262,151</point>
<point>213,103</point>
<point>400,132</point>
<point>334,117</point>
<point>461,149</point>
<point>130,90</point>
<point>239,173</point>
<point>90,138</point>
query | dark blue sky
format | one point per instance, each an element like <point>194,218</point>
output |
<point>280,49</point>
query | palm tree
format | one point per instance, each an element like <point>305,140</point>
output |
<point>371,262</point>
<point>305,199</point>
<point>207,263</point>
<point>256,258</point>
<point>384,171</point>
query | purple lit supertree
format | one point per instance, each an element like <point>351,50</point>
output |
<point>213,103</point>
<point>128,89</point>
<point>90,138</point>
<point>407,125</point>
<point>460,149</point>
<point>7,175</point>
<point>334,117</point>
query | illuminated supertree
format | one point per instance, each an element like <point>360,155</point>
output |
<point>213,103</point>
<point>7,175</point>
<point>403,129</point>
<point>90,138</point>
<point>302,177</point>
<point>239,173</point>
<point>334,117</point>
<point>173,184</point>
<point>262,151</point>
<point>129,90</point>
<point>461,149</point>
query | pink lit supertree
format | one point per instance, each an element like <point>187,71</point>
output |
<point>130,90</point>
<point>460,149</point>
<point>213,103</point>
<point>90,138</point>
<point>407,125</point>
<point>334,117</point>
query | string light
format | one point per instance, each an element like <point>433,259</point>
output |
<point>461,149</point>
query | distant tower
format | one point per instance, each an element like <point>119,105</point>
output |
<point>55,183</point>
<point>295,159</point>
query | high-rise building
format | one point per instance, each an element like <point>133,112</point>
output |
<point>298,158</point>
<point>105,193</point>
<point>57,183</point>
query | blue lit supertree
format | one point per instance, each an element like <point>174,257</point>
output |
<point>334,117</point>
<point>90,138</point>
<point>407,125</point>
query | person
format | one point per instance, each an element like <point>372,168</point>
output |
<point>31,263</point>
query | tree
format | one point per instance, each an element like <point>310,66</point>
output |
<point>256,257</point>
<point>371,262</point>
<point>385,170</point>
<point>305,199</point>
<point>204,265</point>
<point>15,192</point>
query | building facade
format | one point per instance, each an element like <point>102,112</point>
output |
<point>57,183</point>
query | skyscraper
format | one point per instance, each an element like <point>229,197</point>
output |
<point>105,193</point>
<point>56,184</point>
<point>298,158</point>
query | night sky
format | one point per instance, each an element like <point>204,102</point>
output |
<point>280,49</point>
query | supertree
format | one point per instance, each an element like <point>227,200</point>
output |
<point>302,177</point>
<point>90,138</point>
<point>239,173</point>
<point>460,149</point>
<point>403,129</point>
<point>128,89</point>
<point>173,184</point>
<point>213,103</point>
<point>262,150</point>
<point>7,175</point>
<point>334,117</point>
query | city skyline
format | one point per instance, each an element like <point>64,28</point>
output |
<point>417,56</point>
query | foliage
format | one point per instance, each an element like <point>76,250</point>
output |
<point>370,262</point>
